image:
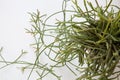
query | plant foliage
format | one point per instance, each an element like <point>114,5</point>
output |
<point>91,36</point>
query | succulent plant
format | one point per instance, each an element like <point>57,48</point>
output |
<point>90,36</point>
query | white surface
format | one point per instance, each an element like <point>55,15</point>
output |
<point>13,19</point>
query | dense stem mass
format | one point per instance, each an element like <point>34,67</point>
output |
<point>92,36</point>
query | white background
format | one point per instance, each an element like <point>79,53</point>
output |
<point>14,18</point>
